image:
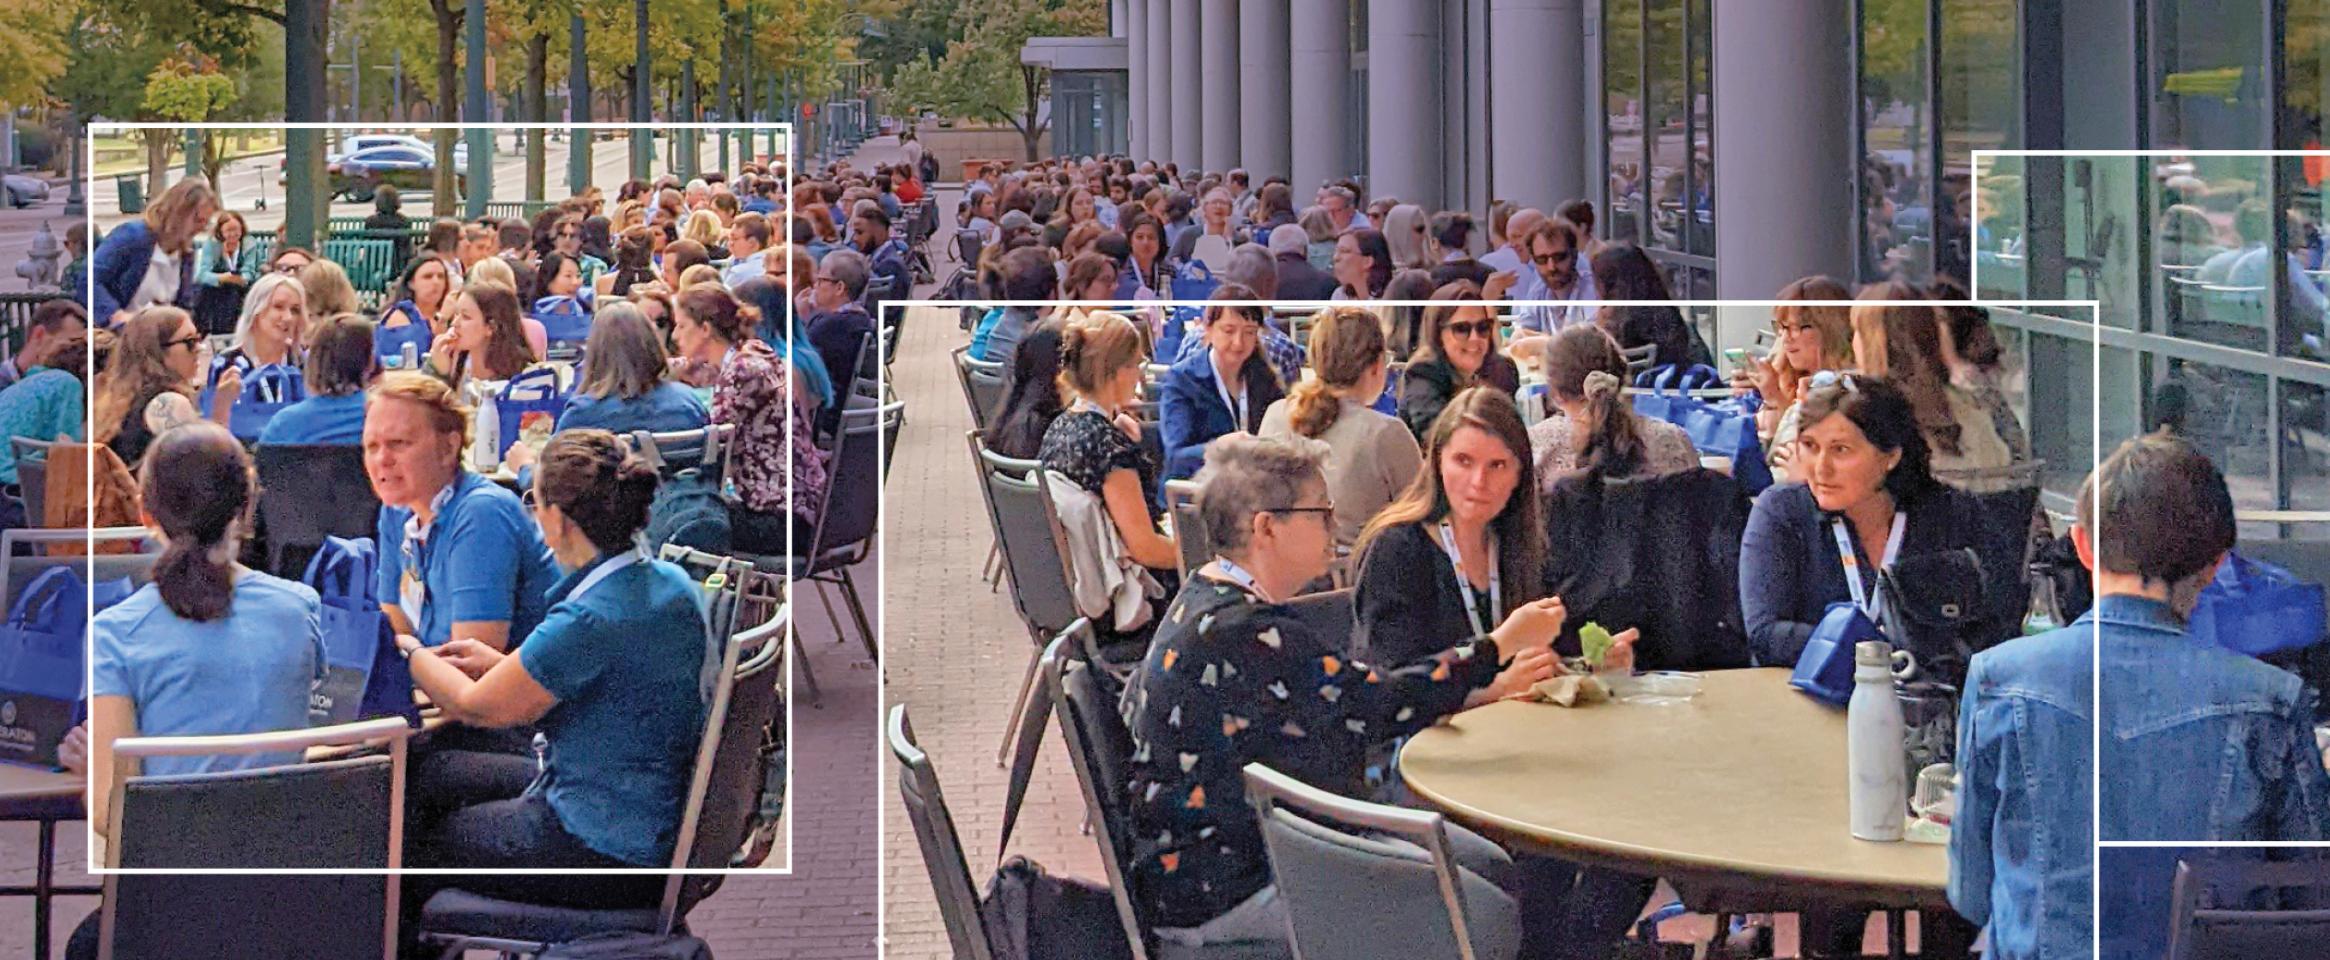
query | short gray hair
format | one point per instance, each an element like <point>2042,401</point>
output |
<point>1289,241</point>
<point>1245,475</point>
<point>850,268</point>
<point>1253,266</point>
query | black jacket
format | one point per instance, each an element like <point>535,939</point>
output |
<point>1428,386</point>
<point>1298,280</point>
<point>1407,601</point>
<point>1657,553</point>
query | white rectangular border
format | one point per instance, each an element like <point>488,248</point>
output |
<point>788,157</point>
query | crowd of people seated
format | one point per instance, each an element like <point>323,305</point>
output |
<point>564,657</point>
<point>1387,448</point>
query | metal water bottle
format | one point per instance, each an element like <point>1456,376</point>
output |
<point>1874,731</point>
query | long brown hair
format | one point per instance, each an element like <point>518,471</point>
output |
<point>1520,535</point>
<point>1346,342</point>
<point>508,353</point>
<point>1834,323</point>
<point>1608,441</point>
<point>1450,298</point>
<point>197,485</point>
<point>1908,343</point>
<point>138,370</point>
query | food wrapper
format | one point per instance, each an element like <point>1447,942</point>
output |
<point>1570,690</point>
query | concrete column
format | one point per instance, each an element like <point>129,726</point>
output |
<point>1218,85</point>
<point>1403,101</point>
<point>1159,42</point>
<point>1538,107</point>
<point>1187,104</point>
<point>1319,60</point>
<point>1265,104</point>
<point>1117,12</point>
<point>1135,28</point>
<point>1783,157</point>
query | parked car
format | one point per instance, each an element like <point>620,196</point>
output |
<point>24,191</point>
<point>360,174</point>
<point>367,141</point>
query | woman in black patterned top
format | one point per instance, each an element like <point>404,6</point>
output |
<point>1235,678</point>
<point>1096,444</point>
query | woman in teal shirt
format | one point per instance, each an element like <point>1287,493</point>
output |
<point>612,677</point>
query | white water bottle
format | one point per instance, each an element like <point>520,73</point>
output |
<point>1874,734</point>
<point>485,452</point>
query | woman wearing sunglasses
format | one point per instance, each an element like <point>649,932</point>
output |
<point>148,383</point>
<point>1458,349</point>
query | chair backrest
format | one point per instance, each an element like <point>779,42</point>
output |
<point>1189,532</point>
<point>1329,877</point>
<point>853,504</point>
<point>1099,748</point>
<point>942,848</point>
<point>1027,530</point>
<point>2215,918</point>
<point>32,476</point>
<point>681,449</point>
<point>1329,614</point>
<point>18,571</point>
<point>982,386</point>
<point>1638,359</point>
<point>308,492</point>
<point>729,765</point>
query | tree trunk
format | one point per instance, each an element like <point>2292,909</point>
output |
<point>449,15</point>
<point>308,200</point>
<point>1031,84</point>
<point>157,160</point>
<point>534,104</point>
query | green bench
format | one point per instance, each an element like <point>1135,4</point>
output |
<point>369,264</point>
<point>521,209</point>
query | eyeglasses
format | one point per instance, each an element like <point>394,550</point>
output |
<point>531,501</point>
<point>187,342</point>
<point>1325,511</point>
<point>1549,259</point>
<point>288,267</point>
<point>1471,328</point>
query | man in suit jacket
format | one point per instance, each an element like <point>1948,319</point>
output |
<point>1297,279</point>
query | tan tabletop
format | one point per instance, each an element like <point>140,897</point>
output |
<point>1738,797</point>
<point>21,783</point>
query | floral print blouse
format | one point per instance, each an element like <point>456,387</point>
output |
<point>754,392</point>
<point>1231,680</point>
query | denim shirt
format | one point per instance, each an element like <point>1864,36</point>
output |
<point>2202,744</point>
<point>2021,853</point>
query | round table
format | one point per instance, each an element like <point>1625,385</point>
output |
<point>45,797</point>
<point>1737,797</point>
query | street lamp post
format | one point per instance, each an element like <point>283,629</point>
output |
<point>642,139</point>
<point>578,107</point>
<point>481,139</point>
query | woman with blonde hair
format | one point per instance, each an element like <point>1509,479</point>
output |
<point>1096,443</point>
<point>704,227</point>
<point>1809,339</point>
<point>1371,455</point>
<point>1404,231</point>
<point>1902,342</point>
<point>149,261</point>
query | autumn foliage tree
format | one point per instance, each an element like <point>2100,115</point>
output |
<point>981,76</point>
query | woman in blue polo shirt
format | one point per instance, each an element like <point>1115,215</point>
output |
<point>613,676</point>
<point>459,557</point>
<point>339,366</point>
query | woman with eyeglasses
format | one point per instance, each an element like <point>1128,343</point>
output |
<point>1457,349</point>
<point>148,383</point>
<point>290,260</point>
<point>1362,265</point>
<point>1810,339</point>
<point>1372,456</point>
<point>1406,231</point>
<point>1224,387</point>
<point>610,675</point>
<point>1236,677</point>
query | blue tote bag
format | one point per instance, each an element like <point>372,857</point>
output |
<point>2256,608</point>
<point>532,399</point>
<point>1727,429</point>
<point>43,646</point>
<point>357,660</point>
<point>389,344</point>
<point>266,392</point>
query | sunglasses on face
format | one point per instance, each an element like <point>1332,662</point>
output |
<point>1549,259</point>
<point>1470,328</point>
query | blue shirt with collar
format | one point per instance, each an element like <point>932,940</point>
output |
<point>2203,744</point>
<point>482,560</point>
<point>672,406</point>
<point>318,419</point>
<point>625,659</point>
<point>2022,846</point>
<point>250,672</point>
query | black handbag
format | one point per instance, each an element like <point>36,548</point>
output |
<point>1033,914</point>
<point>1934,609</point>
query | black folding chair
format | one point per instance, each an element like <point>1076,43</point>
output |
<point>308,492</point>
<point>942,848</point>
<point>2221,910</point>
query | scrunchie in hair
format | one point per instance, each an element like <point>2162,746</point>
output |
<point>1599,384</point>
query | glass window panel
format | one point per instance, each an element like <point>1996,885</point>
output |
<point>2000,270</point>
<point>2209,84</point>
<point>1664,124</point>
<point>1622,104</point>
<point>2225,416</point>
<point>1896,214</point>
<point>1699,221</point>
<point>2209,244</point>
<point>1981,101</point>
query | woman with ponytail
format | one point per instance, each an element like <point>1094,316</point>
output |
<point>611,678</point>
<point>1597,428</point>
<point>1371,455</point>
<point>210,647</point>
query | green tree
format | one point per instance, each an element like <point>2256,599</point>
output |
<point>981,76</point>
<point>184,88</point>
<point>33,47</point>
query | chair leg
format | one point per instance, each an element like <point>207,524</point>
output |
<point>857,608</point>
<point>808,674</point>
<point>1027,684</point>
<point>826,600</point>
<point>993,571</point>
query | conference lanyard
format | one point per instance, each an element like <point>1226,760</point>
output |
<point>1238,577</point>
<point>1496,580</point>
<point>605,570</point>
<point>1852,562</point>
<point>1236,405</point>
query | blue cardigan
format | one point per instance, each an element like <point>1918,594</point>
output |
<point>1789,570</point>
<point>1193,411</point>
<point>119,266</point>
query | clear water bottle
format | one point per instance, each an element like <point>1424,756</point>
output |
<point>1874,734</point>
<point>412,355</point>
<point>2041,617</point>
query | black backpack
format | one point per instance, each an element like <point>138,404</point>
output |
<point>1033,914</point>
<point>688,509</point>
